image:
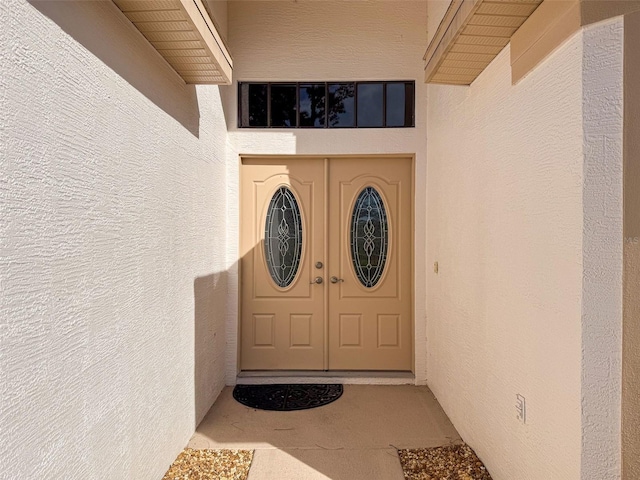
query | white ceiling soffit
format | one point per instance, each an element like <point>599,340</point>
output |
<point>184,34</point>
<point>471,35</point>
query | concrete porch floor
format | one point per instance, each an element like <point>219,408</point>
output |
<point>352,438</point>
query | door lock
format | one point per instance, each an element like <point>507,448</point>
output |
<point>319,265</point>
<point>317,280</point>
<point>336,280</point>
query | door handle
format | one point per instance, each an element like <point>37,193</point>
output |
<point>317,280</point>
<point>336,280</point>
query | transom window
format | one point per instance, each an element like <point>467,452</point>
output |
<point>326,105</point>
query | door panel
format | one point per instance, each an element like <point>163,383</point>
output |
<point>370,327</point>
<point>282,327</point>
<point>343,325</point>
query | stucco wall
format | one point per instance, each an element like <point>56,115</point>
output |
<point>112,247</point>
<point>631,333</point>
<point>435,11</point>
<point>602,249</point>
<point>327,41</point>
<point>218,12</point>
<point>516,183</point>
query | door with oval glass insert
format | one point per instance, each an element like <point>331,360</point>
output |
<point>346,221</point>
<point>281,238</point>
<point>370,253</point>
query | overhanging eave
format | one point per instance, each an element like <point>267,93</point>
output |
<point>186,37</point>
<point>471,35</point>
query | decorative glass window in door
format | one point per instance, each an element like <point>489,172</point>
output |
<point>369,237</point>
<point>283,237</point>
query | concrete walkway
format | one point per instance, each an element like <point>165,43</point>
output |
<point>351,439</point>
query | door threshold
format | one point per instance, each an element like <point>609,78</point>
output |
<point>344,377</point>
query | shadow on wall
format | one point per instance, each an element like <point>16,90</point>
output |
<point>337,441</point>
<point>104,31</point>
<point>210,299</point>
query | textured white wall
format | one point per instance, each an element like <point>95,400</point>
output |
<point>112,247</point>
<point>325,41</point>
<point>631,299</point>
<point>602,249</point>
<point>512,173</point>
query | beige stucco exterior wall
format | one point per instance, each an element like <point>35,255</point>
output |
<point>218,10</point>
<point>631,332</point>
<point>602,247</point>
<point>524,195</point>
<point>435,11</point>
<point>323,41</point>
<point>112,247</point>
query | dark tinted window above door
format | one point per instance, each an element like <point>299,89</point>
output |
<point>342,111</point>
<point>254,98</point>
<point>380,104</point>
<point>284,106</point>
<point>313,101</point>
<point>399,104</point>
<point>370,105</point>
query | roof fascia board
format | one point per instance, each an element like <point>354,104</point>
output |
<point>550,25</point>
<point>553,23</point>
<point>185,35</point>
<point>541,29</point>
<point>450,28</point>
<point>207,31</point>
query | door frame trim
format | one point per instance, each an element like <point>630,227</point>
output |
<point>326,158</point>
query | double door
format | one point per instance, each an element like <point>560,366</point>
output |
<point>326,269</point>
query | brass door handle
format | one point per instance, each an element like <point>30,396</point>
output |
<point>336,280</point>
<point>317,280</point>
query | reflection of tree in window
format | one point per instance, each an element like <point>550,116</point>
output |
<point>341,105</point>
<point>326,105</point>
<point>312,105</point>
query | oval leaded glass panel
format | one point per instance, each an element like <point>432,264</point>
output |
<point>369,237</point>
<point>283,237</point>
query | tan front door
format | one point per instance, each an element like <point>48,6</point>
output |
<point>326,270</point>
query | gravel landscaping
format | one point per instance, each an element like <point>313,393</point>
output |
<point>210,465</point>
<point>454,462</point>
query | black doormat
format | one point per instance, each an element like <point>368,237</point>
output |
<point>286,397</point>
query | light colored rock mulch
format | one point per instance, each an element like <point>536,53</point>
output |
<point>454,462</point>
<point>210,465</point>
